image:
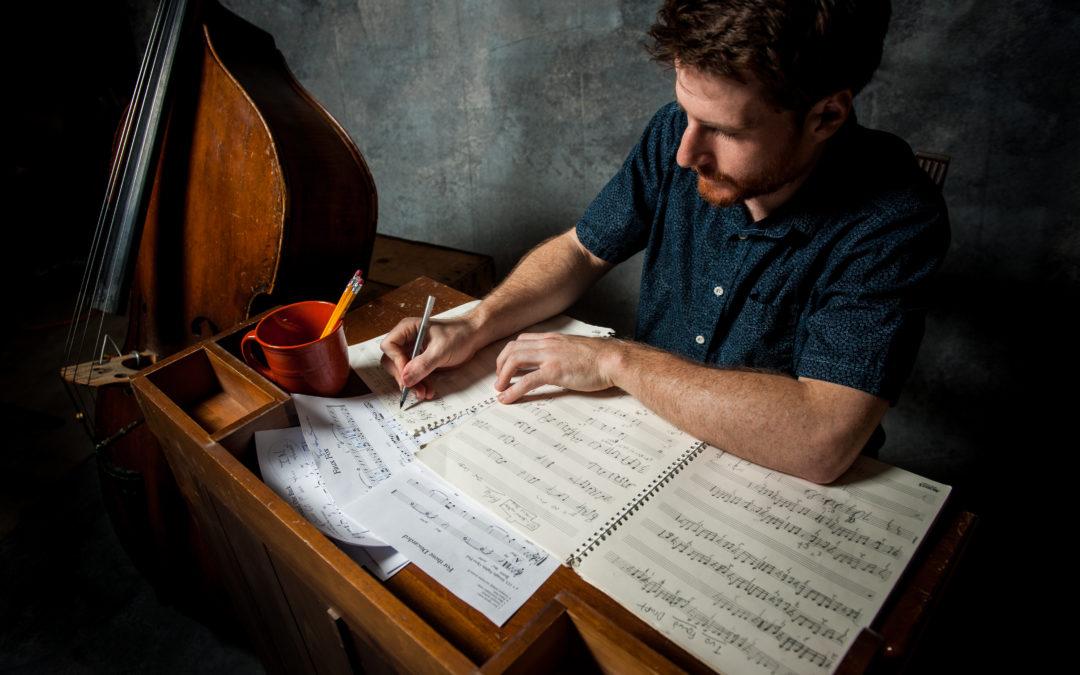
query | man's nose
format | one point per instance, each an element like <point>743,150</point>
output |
<point>693,150</point>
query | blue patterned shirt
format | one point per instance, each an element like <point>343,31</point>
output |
<point>832,286</point>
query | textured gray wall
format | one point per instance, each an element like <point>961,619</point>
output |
<point>490,125</point>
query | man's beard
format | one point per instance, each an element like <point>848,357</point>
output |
<point>721,190</point>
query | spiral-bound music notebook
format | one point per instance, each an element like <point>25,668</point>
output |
<point>749,569</point>
<point>461,390</point>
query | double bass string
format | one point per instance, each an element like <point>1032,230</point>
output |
<point>138,179</point>
<point>124,204</point>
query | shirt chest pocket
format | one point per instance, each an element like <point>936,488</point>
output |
<point>763,334</point>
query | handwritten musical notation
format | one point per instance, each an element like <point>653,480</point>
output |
<point>460,391</point>
<point>365,460</point>
<point>560,468</point>
<point>755,571</point>
<point>288,468</point>
<point>355,442</point>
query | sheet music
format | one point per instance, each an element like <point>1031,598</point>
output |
<point>754,571</point>
<point>467,550</point>
<point>358,447</point>
<point>461,390</point>
<point>289,469</point>
<point>559,468</point>
<point>355,442</point>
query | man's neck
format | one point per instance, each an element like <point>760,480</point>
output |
<point>761,206</point>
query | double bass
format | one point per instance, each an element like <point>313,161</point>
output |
<point>232,190</point>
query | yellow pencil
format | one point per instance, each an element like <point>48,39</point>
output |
<point>347,296</point>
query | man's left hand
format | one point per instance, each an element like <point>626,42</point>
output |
<point>569,361</point>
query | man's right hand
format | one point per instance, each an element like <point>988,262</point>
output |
<point>547,281</point>
<point>448,343</point>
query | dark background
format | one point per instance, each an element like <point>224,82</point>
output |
<point>490,126</point>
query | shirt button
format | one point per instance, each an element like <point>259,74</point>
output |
<point>719,290</point>
<point>742,237</point>
<point>700,339</point>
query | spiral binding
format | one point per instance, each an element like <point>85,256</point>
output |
<point>434,424</point>
<point>632,507</point>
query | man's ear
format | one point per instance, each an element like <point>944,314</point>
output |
<point>829,114</point>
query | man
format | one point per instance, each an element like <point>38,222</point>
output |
<point>788,251</point>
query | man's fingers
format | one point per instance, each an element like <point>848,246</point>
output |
<point>514,356</point>
<point>524,385</point>
<point>417,369</point>
<point>422,391</point>
<point>399,341</point>
<point>398,347</point>
<point>391,367</point>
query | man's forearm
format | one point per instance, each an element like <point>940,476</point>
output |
<point>807,428</point>
<point>546,282</point>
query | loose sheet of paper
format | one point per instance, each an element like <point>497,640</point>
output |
<point>561,467</point>
<point>289,469</point>
<point>365,460</point>
<point>457,543</point>
<point>461,390</point>
<point>382,561</point>
<point>355,442</point>
<point>754,571</point>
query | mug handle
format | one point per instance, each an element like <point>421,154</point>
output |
<point>247,348</point>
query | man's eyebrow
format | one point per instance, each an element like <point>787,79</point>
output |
<point>725,128</point>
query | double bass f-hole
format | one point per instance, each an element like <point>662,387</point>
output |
<point>202,327</point>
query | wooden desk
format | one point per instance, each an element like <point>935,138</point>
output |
<point>309,608</point>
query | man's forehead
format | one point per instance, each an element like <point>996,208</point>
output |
<point>717,99</point>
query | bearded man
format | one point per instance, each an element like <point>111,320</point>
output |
<point>789,251</point>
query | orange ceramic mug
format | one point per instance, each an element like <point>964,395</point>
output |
<point>295,357</point>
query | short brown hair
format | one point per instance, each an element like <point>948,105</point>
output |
<point>800,50</point>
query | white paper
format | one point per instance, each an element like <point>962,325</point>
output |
<point>455,541</point>
<point>382,561</point>
<point>365,461</point>
<point>289,469</point>
<point>355,442</point>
